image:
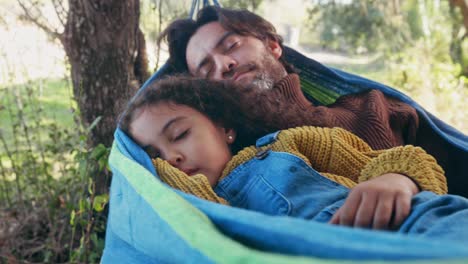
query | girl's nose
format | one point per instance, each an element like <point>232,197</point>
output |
<point>175,159</point>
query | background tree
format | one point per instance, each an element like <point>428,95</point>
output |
<point>106,51</point>
<point>417,46</point>
<point>251,5</point>
<point>459,18</point>
<point>360,26</point>
<point>391,27</point>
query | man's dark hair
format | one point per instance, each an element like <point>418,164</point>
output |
<point>242,22</point>
<point>251,113</point>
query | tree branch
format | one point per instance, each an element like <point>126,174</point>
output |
<point>35,19</point>
<point>61,11</point>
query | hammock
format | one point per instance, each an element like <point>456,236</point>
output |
<point>149,222</point>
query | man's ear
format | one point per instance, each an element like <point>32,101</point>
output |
<point>275,48</point>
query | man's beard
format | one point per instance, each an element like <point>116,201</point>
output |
<point>269,72</point>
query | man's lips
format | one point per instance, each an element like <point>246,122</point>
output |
<point>238,76</point>
<point>242,70</point>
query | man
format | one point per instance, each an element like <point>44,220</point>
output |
<point>241,46</point>
<point>238,45</point>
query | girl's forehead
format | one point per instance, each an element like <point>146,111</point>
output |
<point>170,108</point>
<point>155,119</point>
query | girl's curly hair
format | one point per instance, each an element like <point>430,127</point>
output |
<point>251,113</point>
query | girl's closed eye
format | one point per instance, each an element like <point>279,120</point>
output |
<point>181,135</point>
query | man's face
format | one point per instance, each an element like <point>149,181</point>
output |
<point>215,53</point>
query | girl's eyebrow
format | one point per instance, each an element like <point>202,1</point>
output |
<point>171,122</point>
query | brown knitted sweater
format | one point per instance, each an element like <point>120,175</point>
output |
<point>381,121</point>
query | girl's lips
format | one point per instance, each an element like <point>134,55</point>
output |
<point>190,172</point>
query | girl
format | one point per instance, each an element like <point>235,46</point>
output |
<point>199,134</point>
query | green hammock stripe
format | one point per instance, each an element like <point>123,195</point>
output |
<point>320,93</point>
<point>195,227</point>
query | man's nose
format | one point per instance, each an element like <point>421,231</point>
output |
<point>225,66</point>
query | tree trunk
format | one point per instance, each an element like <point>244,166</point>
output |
<point>463,5</point>
<point>105,48</point>
<point>456,42</point>
<point>107,54</point>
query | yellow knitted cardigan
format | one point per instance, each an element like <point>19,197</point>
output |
<point>334,152</point>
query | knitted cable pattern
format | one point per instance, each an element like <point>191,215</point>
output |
<point>412,161</point>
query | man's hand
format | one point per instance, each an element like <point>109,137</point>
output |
<point>372,204</point>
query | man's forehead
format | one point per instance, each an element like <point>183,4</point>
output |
<point>203,42</point>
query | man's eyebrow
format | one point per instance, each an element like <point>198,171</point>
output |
<point>219,43</point>
<point>171,122</point>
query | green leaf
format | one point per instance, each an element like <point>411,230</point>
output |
<point>100,202</point>
<point>102,164</point>
<point>99,151</point>
<point>94,238</point>
<point>90,186</point>
<point>95,122</point>
<point>83,205</point>
<point>83,168</point>
<point>72,218</point>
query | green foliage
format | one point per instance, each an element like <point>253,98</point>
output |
<point>251,5</point>
<point>426,72</point>
<point>157,14</point>
<point>413,15</point>
<point>48,205</point>
<point>421,46</point>
<point>357,26</point>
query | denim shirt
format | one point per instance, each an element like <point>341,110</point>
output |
<point>280,183</point>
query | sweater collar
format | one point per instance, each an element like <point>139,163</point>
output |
<point>290,88</point>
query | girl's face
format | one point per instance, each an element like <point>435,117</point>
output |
<point>185,138</point>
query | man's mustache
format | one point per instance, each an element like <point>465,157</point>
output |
<point>240,69</point>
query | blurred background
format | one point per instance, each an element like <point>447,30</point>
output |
<point>66,68</point>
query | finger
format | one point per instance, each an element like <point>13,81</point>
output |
<point>365,213</point>
<point>383,212</point>
<point>402,209</point>
<point>349,208</point>
<point>336,218</point>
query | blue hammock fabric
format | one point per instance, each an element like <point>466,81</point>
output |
<point>149,222</point>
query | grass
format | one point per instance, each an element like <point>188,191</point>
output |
<point>43,102</point>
